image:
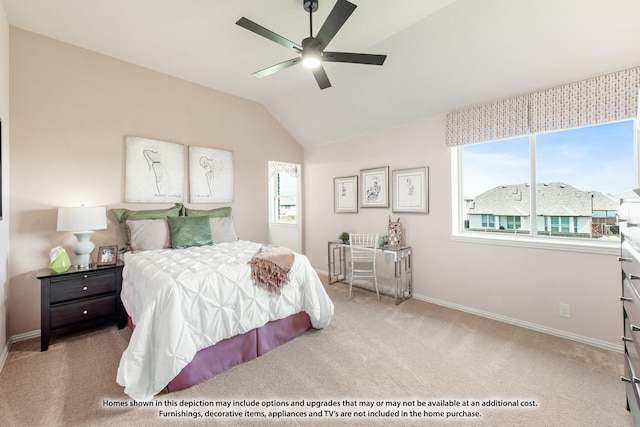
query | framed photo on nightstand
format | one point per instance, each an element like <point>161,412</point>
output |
<point>107,255</point>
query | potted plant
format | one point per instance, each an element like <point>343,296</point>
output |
<point>344,237</point>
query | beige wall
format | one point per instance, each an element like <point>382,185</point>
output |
<point>4,223</point>
<point>519,285</point>
<point>71,110</point>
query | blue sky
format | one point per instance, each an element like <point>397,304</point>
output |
<point>595,158</point>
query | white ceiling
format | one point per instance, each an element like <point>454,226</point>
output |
<point>442,54</point>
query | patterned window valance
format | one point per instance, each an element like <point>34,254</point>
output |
<point>603,99</point>
<point>282,167</point>
<point>502,119</point>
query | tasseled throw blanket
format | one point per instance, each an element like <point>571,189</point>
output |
<point>270,267</point>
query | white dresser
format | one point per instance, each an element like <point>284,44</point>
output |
<point>629,222</point>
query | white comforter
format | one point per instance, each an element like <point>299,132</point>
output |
<point>183,300</point>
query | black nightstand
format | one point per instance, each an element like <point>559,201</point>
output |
<point>78,299</point>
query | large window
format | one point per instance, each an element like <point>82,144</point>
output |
<point>558,184</point>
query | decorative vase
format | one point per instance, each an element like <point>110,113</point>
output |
<point>394,235</point>
<point>59,260</point>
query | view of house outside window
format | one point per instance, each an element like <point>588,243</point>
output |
<point>580,176</point>
<point>284,190</point>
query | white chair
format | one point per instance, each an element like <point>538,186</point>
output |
<point>363,259</point>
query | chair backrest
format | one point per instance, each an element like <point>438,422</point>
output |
<point>363,255</point>
<point>365,240</point>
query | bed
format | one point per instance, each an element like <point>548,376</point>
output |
<point>196,311</point>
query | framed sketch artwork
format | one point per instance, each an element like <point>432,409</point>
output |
<point>374,187</point>
<point>345,194</point>
<point>410,190</point>
<point>210,175</point>
<point>154,171</point>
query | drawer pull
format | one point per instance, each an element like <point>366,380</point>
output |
<point>634,328</point>
<point>85,312</point>
<point>623,259</point>
<point>84,288</point>
<point>632,380</point>
<point>626,339</point>
<point>633,277</point>
<point>85,276</point>
<point>626,299</point>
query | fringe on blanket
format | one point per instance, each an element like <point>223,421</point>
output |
<point>270,267</point>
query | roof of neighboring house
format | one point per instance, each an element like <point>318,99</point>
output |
<point>288,200</point>
<point>554,199</point>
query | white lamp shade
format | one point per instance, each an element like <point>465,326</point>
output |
<point>82,218</point>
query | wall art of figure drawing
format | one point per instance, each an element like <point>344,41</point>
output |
<point>210,175</point>
<point>154,171</point>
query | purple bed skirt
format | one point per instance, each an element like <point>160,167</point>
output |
<point>233,351</point>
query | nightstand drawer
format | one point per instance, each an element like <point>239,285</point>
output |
<point>82,286</point>
<point>66,314</point>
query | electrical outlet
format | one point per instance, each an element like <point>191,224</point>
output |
<point>565,310</point>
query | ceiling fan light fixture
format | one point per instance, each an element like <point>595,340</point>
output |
<point>311,59</point>
<point>312,49</point>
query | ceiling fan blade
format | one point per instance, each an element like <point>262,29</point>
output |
<point>321,77</point>
<point>260,30</point>
<point>277,67</point>
<point>336,19</point>
<point>355,58</point>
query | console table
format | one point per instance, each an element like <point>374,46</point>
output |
<point>337,258</point>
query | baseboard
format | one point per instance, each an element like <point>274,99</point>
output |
<point>517,322</point>
<point>16,338</point>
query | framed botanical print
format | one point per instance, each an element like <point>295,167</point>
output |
<point>410,189</point>
<point>345,194</point>
<point>374,187</point>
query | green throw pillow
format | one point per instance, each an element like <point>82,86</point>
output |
<point>122,215</point>
<point>189,231</point>
<point>211,213</point>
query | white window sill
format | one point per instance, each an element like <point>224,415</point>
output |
<point>547,243</point>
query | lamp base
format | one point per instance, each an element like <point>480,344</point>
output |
<point>83,249</point>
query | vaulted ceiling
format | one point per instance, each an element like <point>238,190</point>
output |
<point>442,54</point>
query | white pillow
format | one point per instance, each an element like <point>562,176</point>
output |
<point>222,229</point>
<point>148,234</point>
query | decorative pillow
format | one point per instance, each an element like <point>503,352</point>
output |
<point>147,234</point>
<point>186,232</point>
<point>222,229</point>
<point>212,213</point>
<point>122,215</point>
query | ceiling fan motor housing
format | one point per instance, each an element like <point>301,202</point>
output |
<point>310,5</point>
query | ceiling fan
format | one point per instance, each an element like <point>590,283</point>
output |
<point>312,51</point>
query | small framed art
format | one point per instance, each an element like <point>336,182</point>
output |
<point>374,187</point>
<point>410,190</point>
<point>345,194</point>
<point>107,255</point>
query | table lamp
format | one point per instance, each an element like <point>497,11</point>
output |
<point>82,221</point>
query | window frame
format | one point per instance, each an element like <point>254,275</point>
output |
<point>531,240</point>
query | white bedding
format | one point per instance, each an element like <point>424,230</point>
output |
<point>183,300</point>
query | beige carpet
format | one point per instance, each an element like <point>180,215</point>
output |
<point>373,351</point>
